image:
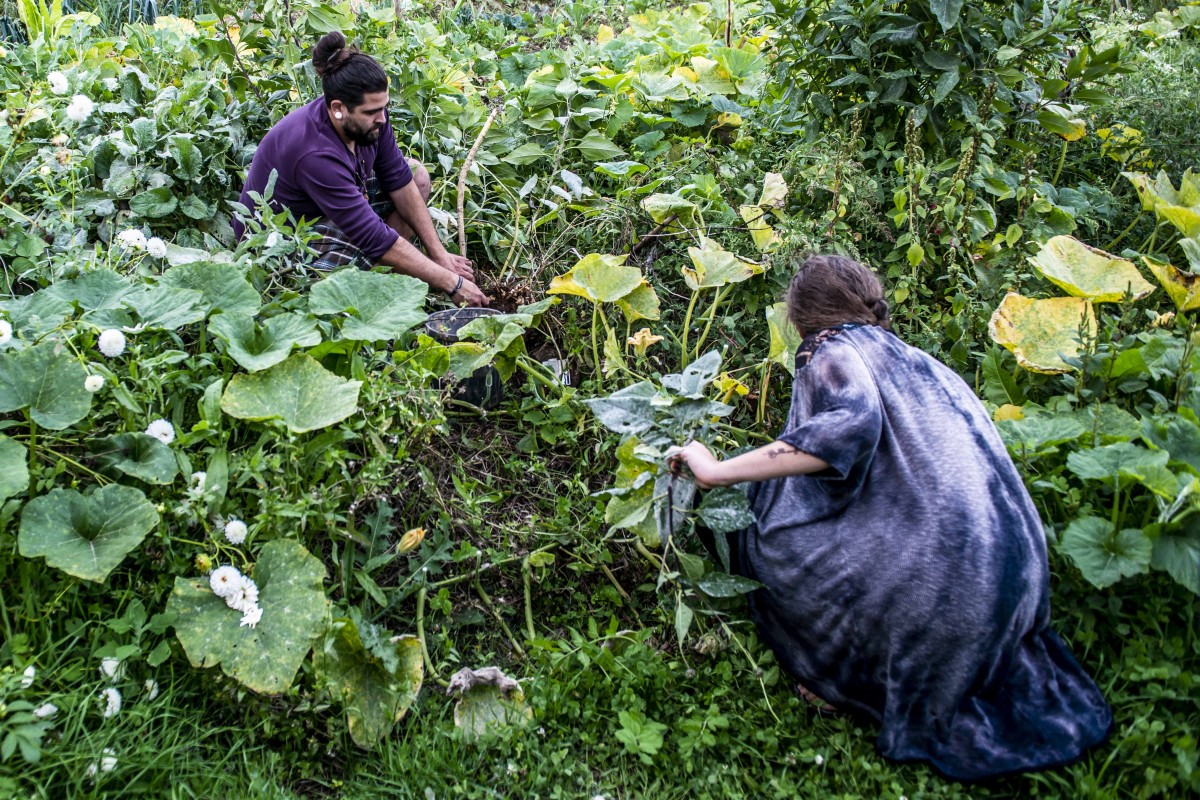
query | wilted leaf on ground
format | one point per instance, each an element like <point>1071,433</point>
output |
<point>488,701</point>
<point>1040,332</point>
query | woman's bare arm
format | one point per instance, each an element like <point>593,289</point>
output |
<point>775,460</point>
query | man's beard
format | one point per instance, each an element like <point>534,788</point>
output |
<point>363,136</point>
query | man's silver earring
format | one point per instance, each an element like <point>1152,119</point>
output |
<point>337,115</point>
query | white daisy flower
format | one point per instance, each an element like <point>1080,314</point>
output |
<point>28,676</point>
<point>109,668</point>
<point>45,710</point>
<point>80,108</point>
<point>156,247</point>
<point>93,383</point>
<point>197,481</point>
<point>112,701</point>
<point>151,688</point>
<point>107,763</point>
<point>251,618</point>
<point>162,430</point>
<point>244,595</point>
<point>111,343</point>
<point>58,82</point>
<point>224,580</point>
<point>235,531</point>
<point>5,331</point>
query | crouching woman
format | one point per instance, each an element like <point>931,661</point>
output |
<point>903,562</point>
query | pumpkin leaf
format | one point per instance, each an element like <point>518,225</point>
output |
<point>258,346</point>
<point>715,267</point>
<point>298,391</point>
<point>1182,287</point>
<point>222,287</point>
<point>264,658</point>
<point>137,454</point>
<point>1040,332</point>
<point>599,278</point>
<point>1084,271</point>
<point>45,381</point>
<point>86,535</point>
<point>376,306</point>
<point>14,468</point>
<point>1105,556</point>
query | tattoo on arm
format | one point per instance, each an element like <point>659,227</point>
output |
<point>781,451</point>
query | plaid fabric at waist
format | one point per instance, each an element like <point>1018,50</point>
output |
<point>334,249</point>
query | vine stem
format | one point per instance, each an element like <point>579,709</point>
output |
<point>429,668</point>
<point>595,348</point>
<point>491,607</point>
<point>1062,159</point>
<point>1117,240</point>
<point>687,323</point>
<point>462,179</point>
<point>527,580</point>
<point>712,314</point>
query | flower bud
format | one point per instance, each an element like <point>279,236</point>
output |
<point>203,562</point>
<point>411,540</point>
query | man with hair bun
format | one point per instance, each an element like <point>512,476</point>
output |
<point>336,161</point>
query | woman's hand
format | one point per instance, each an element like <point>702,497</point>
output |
<point>699,460</point>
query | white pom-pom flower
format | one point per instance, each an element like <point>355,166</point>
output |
<point>27,677</point>
<point>5,331</point>
<point>112,701</point>
<point>244,596</point>
<point>58,82</point>
<point>151,688</point>
<point>251,618</point>
<point>80,108</point>
<point>107,763</point>
<point>162,430</point>
<point>132,239</point>
<point>235,531</point>
<point>111,343</point>
<point>156,247</point>
<point>110,668</point>
<point>93,383</point>
<point>224,580</point>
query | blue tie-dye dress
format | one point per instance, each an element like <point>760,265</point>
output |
<point>909,581</point>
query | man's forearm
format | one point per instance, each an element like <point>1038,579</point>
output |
<point>406,259</point>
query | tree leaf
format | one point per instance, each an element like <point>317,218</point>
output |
<point>375,675</point>
<point>298,391</point>
<point>222,287</point>
<point>1084,271</point>
<point>595,146</point>
<point>377,306</point>
<point>947,12</point>
<point>137,454</point>
<point>259,346</point>
<point>47,382</point>
<point>291,594</point>
<point>86,536</point>
<point>1102,555</point>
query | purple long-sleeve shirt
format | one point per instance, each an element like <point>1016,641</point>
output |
<point>318,176</point>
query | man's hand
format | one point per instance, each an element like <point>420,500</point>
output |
<point>469,294</point>
<point>455,264</point>
<point>703,465</point>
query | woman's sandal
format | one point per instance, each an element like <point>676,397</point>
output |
<point>818,705</point>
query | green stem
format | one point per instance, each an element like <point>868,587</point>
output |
<point>430,670</point>
<point>762,395</point>
<point>683,334</point>
<point>527,579</point>
<point>491,607</point>
<point>1117,240</point>
<point>1062,159</point>
<point>595,348</point>
<point>32,441</point>
<point>712,314</point>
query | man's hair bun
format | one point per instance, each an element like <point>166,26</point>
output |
<point>331,53</point>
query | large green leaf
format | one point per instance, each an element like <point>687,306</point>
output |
<point>376,306</point>
<point>101,288</point>
<point>222,286</point>
<point>1114,461</point>
<point>715,266</point>
<point>629,410</point>
<point>725,510</point>
<point>947,12</point>
<point>1103,555</point>
<point>1178,554</point>
<point>670,208</point>
<point>595,146</point>
<point>1039,434</point>
<point>34,315</point>
<point>696,377</point>
<point>1040,332</point>
<point>599,278</point>
<point>1084,271</point>
<point>375,675</point>
<point>14,468</point>
<point>137,454</point>
<point>45,381</point>
<point>167,307</point>
<point>257,347</point>
<point>86,535</point>
<point>298,391</point>
<point>291,594</point>
<point>154,203</point>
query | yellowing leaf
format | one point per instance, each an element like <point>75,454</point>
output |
<point>641,303</point>
<point>1040,332</point>
<point>604,35</point>
<point>599,278</point>
<point>685,73</point>
<point>775,191</point>
<point>1084,271</point>
<point>728,118</point>
<point>1180,207</point>
<point>1182,287</point>
<point>785,339</point>
<point>765,237</point>
<point>715,266</point>
<point>1008,412</point>
<point>727,386</point>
